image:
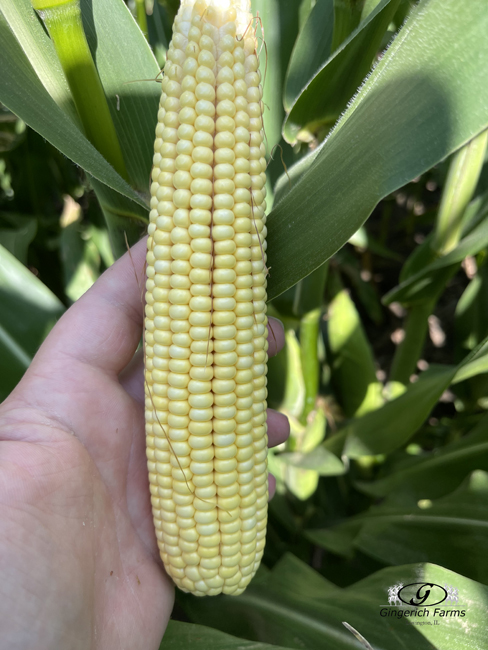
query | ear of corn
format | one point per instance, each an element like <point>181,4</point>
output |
<point>205,328</point>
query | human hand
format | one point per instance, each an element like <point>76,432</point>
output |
<point>79,563</point>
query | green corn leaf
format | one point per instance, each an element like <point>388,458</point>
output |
<point>16,233</point>
<point>471,317</point>
<point>438,472</point>
<point>326,95</point>
<point>392,425</point>
<point>29,310</point>
<point>128,72</point>
<point>425,99</point>
<point>295,607</point>
<point>39,51</point>
<point>279,26</point>
<point>295,389</point>
<point>426,281</point>
<point>312,48</point>
<point>32,86</point>
<point>181,636</point>
<point>319,460</point>
<point>352,363</point>
<point>450,531</point>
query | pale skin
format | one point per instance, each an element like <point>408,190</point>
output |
<point>79,564</point>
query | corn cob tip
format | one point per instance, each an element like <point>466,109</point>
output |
<point>217,13</point>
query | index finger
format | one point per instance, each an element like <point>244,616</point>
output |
<point>104,327</point>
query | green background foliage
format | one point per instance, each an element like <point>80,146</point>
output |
<point>375,113</point>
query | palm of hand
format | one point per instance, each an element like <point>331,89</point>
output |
<point>79,564</point>
<point>78,543</point>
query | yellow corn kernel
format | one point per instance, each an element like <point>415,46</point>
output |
<point>205,326</point>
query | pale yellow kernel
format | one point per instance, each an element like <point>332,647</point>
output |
<point>202,155</point>
<point>206,517</point>
<point>180,326</point>
<point>187,116</point>
<point>222,346</point>
<point>181,252</point>
<point>226,107</point>
<point>207,43</point>
<point>201,415</point>
<point>204,108</point>
<point>205,91</point>
<point>201,245</point>
<point>223,202</point>
<point>201,334</point>
<point>200,428</point>
<point>227,43</point>
<point>239,71</point>
<point>242,166</point>
<point>224,426</point>
<point>225,155</point>
<point>203,139</point>
<point>182,180</point>
<point>194,34</point>
<point>173,88</point>
<point>190,66</point>
<point>226,247</point>
<point>183,162</point>
<point>200,216</point>
<point>196,230</point>
<point>182,339</point>
<point>222,232</point>
<point>202,455</point>
<point>201,170</point>
<point>225,140</point>
<point>242,150</point>
<point>226,76</point>
<point>206,59</point>
<point>201,186</point>
<point>205,123</point>
<point>241,180</point>
<point>224,412</point>
<point>184,147</point>
<point>226,60</point>
<point>203,401</point>
<point>223,318</point>
<point>180,282</point>
<point>200,260</point>
<point>225,123</point>
<point>224,170</point>
<point>209,533</point>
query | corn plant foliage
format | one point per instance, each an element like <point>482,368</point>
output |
<point>412,112</point>
<point>352,359</point>
<point>421,284</point>
<point>181,636</point>
<point>433,474</point>
<point>295,607</point>
<point>325,94</point>
<point>25,318</point>
<point>32,86</point>
<point>311,49</point>
<point>277,28</point>
<point>425,98</point>
<point>374,434</point>
<point>400,530</point>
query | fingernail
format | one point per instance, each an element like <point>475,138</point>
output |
<point>277,322</point>
<point>285,422</point>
